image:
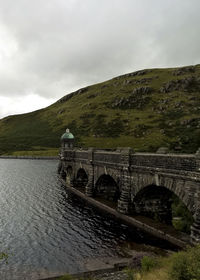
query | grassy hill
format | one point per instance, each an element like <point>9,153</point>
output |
<point>144,110</point>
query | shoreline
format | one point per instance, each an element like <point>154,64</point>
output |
<point>30,157</point>
<point>91,273</point>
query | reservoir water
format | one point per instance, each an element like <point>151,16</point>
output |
<point>45,231</point>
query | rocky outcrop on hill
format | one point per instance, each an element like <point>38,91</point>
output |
<point>184,70</point>
<point>138,98</point>
<point>69,96</point>
<point>136,73</point>
<point>139,73</point>
<point>142,90</point>
<point>143,81</point>
<point>188,84</point>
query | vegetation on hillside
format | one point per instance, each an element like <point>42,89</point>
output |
<point>183,265</point>
<point>144,110</point>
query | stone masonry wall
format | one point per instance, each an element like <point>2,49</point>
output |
<point>175,162</point>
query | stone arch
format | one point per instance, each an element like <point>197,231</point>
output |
<point>69,170</point>
<point>107,188</point>
<point>81,178</point>
<point>156,202</point>
<point>179,187</point>
<point>112,173</point>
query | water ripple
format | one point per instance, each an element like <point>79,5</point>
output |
<point>45,231</point>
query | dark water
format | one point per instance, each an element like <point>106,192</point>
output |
<point>45,231</point>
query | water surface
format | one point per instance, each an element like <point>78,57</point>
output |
<point>45,231</point>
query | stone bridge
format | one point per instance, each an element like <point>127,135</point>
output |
<point>142,183</point>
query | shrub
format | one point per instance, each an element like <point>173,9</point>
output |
<point>186,265</point>
<point>148,263</point>
<point>130,274</point>
<point>179,267</point>
<point>4,256</point>
<point>185,217</point>
<point>66,277</point>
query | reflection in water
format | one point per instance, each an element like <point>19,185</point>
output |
<point>46,231</point>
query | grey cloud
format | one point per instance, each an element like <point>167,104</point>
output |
<point>64,45</point>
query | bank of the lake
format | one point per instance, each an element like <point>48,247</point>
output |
<point>177,266</point>
<point>29,157</point>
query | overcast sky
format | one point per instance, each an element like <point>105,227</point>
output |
<point>49,48</point>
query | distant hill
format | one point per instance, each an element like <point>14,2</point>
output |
<point>144,110</point>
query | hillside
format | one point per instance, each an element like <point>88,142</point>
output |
<point>144,110</point>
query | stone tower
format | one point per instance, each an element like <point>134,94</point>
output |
<point>67,140</point>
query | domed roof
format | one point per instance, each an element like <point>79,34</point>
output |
<point>67,135</point>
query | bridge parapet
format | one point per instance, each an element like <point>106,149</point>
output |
<point>82,155</point>
<point>185,162</point>
<point>101,156</point>
<point>166,161</point>
<point>107,157</point>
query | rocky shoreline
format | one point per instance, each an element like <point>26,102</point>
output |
<point>109,268</point>
<point>117,275</point>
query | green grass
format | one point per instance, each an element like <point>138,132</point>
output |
<point>153,120</point>
<point>184,265</point>
<point>39,152</point>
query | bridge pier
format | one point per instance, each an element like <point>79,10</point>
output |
<point>123,203</point>
<point>90,185</point>
<point>63,174</point>
<point>124,200</point>
<point>89,189</point>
